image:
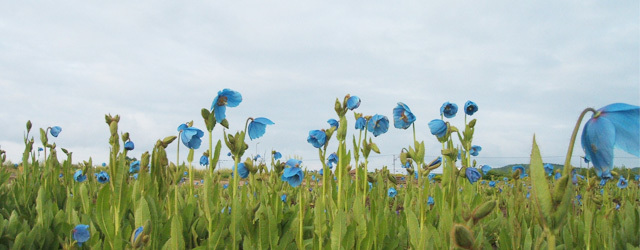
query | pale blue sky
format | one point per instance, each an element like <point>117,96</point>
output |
<point>531,67</point>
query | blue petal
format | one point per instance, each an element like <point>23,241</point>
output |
<point>438,128</point>
<point>598,139</point>
<point>182,127</point>
<point>626,120</point>
<point>234,98</point>
<point>256,130</point>
<point>219,113</point>
<point>353,102</point>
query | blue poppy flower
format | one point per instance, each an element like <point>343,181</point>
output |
<point>313,177</point>
<point>258,126</point>
<point>638,177</point>
<point>78,176</point>
<point>186,173</point>
<point>548,168</point>
<point>617,206</point>
<point>615,125</point>
<point>622,182</point>
<point>317,138</point>
<point>361,123</point>
<point>277,156</point>
<point>190,136</point>
<point>283,198</point>
<point>472,175</point>
<point>470,108</point>
<point>333,158</point>
<point>519,167</point>
<point>370,185</point>
<point>134,167</point>
<point>102,177</point>
<point>379,124</point>
<point>353,102</point>
<point>229,154</point>
<point>293,176</point>
<point>505,179</point>
<point>204,160</point>
<point>225,97</point>
<point>242,170</point>
<point>55,131</point>
<point>40,149</point>
<point>483,182</point>
<point>402,116</point>
<point>459,154</point>
<point>128,145</point>
<point>60,176</point>
<point>485,169</point>
<point>579,199</point>
<point>438,128</point>
<point>528,195</point>
<point>225,186</point>
<point>430,201</point>
<point>449,110</point>
<point>135,176</point>
<point>415,175</point>
<point>320,172</point>
<point>407,165</point>
<point>392,192</point>
<point>475,149</point>
<point>603,181</point>
<point>492,184</point>
<point>137,233</point>
<point>333,123</point>
<point>81,234</point>
<point>104,164</point>
<point>558,175</point>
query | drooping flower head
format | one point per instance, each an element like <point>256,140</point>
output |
<point>129,145</point>
<point>317,138</point>
<point>255,158</point>
<point>475,149</point>
<point>492,184</point>
<point>353,102</point>
<point>558,176</point>
<point>438,128</point>
<point>191,137</point>
<point>258,126</point>
<point>276,155</point>
<point>204,160</point>
<point>379,124</point>
<point>225,97</point>
<point>333,123</point>
<point>520,168</point>
<point>449,110</point>
<point>431,176</point>
<point>283,198</point>
<point>361,123</point>
<point>615,125</point>
<point>485,169</point>
<point>472,175</point>
<point>242,170</point>
<point>470,108</point>
<point>392,192</point>
<point>134,167</point>
<point>333,159</point>
<point>430,201</point>
<point>102,177</point>
<point>548,168</point>
<point>293,174</point>
<point>78,176</point>
<point>402,116</point>
<point>55,131</point>
<point>81,234</point>
<point>622,182</point>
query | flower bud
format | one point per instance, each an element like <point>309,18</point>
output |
<point>168,140</point>
<point>225,123</point>
<point>472,123</point>
<point>28,126</point>
<point>125,137</point>
<point>483,210</point>
<point>392,178</point>
<point>113,128</point>
<point>462,236</point>
<point>144,161</point>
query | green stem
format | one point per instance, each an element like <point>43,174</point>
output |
<point>572,141</point>
<point>212,167</point>
<point>301,220</point>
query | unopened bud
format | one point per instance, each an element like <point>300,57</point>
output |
<point>483,210</point>
<point>462,236</point>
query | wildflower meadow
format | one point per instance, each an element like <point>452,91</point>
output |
<point>152,201</point>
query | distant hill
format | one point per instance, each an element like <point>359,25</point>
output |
<point>506,170</point>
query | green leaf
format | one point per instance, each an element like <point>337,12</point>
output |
<point>176,241</point>
<point>142,213</point>
<point>339,230</point>
<point>414,228</point>
<point>541,193</point>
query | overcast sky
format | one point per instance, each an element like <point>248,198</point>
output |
<point>531,67</point>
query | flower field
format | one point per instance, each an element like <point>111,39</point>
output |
<point>150,201</point>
